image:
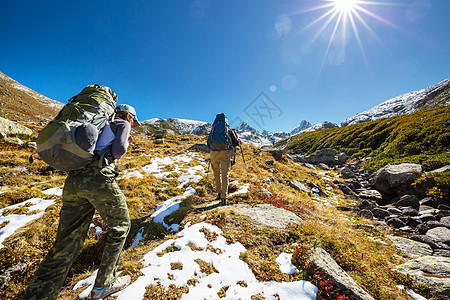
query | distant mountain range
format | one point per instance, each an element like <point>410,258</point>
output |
<point>18,102</point>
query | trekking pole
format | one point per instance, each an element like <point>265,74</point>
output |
<point>243,159</point>
<point>207,173</point>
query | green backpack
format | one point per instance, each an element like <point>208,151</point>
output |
<point>67,143</point>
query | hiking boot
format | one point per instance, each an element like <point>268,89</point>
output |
<point>218,197</point>
<point>119,284</point>
<point>223,202</point>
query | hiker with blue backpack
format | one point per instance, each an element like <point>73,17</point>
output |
<point>222,142</point>
<point>91,133</point>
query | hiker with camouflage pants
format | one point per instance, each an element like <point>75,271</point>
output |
<point>91,188</point>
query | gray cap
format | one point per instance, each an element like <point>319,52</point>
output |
<point>129,109</point>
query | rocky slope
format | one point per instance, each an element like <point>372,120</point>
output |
<point>19,103</point>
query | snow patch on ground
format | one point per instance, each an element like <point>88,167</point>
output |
<point>284,261</point>
<point>242,190</point>
<point>231,271</point>
<point>168,207</point>
<point>15,221</point>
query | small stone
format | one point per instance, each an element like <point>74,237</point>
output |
<point>370,194</point>
<point>410,212</point>
<point>427,217</point>
<point>365,213</point>
<point>269,162</point>
<point>395,222</point>
<point>408,200</point>
<point>394,211</point>
<point>347,173</point>
<point>380,213</point>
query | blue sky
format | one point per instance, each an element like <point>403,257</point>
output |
<point>270,63</point>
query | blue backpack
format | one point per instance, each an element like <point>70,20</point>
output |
<point>218,138</point>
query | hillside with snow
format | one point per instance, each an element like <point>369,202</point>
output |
<point>436,95</point>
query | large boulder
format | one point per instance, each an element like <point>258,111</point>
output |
<point>439,234</point>
<point>410,247</point>
<point>437,269</point>
<point>326,156</point>
<point>396,180</point>
<point>267,214</point>
<point>199,148</point>
<point>8,127</point>
<point>322,260</point>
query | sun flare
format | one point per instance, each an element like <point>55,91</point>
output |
<point>345,6</point>
<point>340,17</point>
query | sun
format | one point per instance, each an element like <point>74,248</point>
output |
<point>341,17</point>
<point>345,6</point>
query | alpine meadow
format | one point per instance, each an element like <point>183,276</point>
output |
<point>318,214</point>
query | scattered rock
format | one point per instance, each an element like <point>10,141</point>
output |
<point>299,185</point>
<point>277,154</point>
<point>342,157</point>
<point>439,234</point>
<point>308,165</point>
<point>366,204</point>
<point>410,212</point>
<point>397,179</point>
<point>265,192</point>
<point>347,173</point>
<point>269,162</point>
<point>322,260</point>
<point>295,158</point>
<point>267,181</point>
<point>441,170</point>
<point>394,211</point>
<point>395,222</point>
<point>410,247</point>
<point>267,214</point>
<point>428,201</point>
<point>408,200</point>
<point>445,221</point>
<point>365,213</point>
<point>437,270</point>
<point>380,213</point>
<point>199,148</point>
<point>8,127</point>
<point>31,145</point>
<point>370,194</point>
<point>14,141</point>
<point>323,166</point>
<point>441,252</point>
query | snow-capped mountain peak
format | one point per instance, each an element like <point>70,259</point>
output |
<point>302,126</point>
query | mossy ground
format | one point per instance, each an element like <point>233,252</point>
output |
<point>366,255</point>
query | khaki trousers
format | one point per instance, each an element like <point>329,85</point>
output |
<point>220,163</point>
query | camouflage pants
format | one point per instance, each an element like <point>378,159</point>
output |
<point>220,163</point>
<point>84,192</point>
